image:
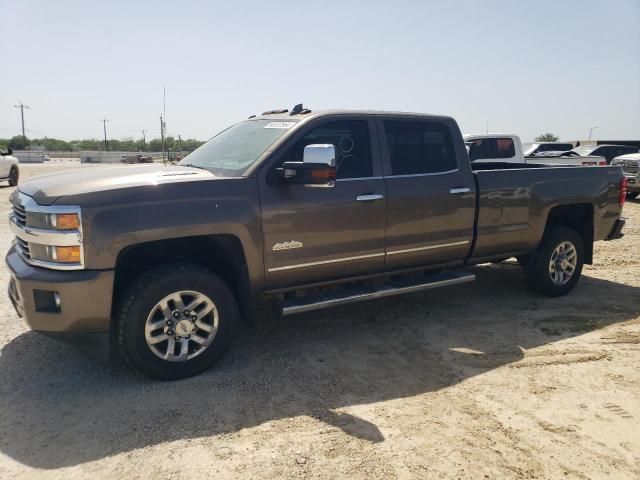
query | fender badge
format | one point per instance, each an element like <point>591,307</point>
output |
<point>287,245</point>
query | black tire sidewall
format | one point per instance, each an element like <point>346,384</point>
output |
<point>144,295</point>
<point>14,176</point>
<point>537,272</point>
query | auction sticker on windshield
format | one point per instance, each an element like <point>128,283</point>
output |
<point>283,125</point>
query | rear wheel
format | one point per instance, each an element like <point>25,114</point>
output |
<point>176,321</point>
<point>13,177</point>
<point>556,266</point>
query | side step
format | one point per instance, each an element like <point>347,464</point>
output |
<point>359,294</point>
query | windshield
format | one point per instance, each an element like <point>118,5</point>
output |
<point>233,150</point>
<point>585,150</point>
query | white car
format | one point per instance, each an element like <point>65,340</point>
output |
<point>9,170</point>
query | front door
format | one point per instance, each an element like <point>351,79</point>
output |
<point>431,193</point>
<point>313,234</point>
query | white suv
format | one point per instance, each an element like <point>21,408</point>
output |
<point>9,168</point>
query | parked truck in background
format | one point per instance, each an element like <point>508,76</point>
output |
<point>310,209</point>
<point>507,147</point>
<point>9,168</point>
<point>630,164</point>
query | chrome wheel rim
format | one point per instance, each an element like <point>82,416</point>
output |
<point>181,326</point>
<point>562,265</point>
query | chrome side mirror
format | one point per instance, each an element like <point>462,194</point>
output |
<point>320,153</point>
<point>317,169</point>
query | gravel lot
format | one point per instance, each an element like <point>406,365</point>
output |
<point>478,380</point>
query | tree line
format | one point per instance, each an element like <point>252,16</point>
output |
<point>125,145</point>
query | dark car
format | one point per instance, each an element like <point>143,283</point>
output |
<point>609,152</point>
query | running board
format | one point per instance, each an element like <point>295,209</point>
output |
<point>360,294</point>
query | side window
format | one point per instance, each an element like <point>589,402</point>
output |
<point>419,147</point>
<point>502,148</point>
<point>351,141</point>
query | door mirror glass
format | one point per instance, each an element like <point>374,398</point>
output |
<point>320,153</point>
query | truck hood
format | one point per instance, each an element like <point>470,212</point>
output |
<point>46,189</point>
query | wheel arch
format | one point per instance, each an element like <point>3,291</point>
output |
<point>221,254</point>
<point>579,217</point>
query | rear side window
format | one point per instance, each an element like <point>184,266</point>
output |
<point>351,141</point>
<point>491,148</point>
<point>419,147</point>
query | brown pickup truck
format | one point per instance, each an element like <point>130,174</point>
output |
<point>312,209</point>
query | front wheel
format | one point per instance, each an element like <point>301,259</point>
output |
<point>176,321</point>
<point>13,177</point>
<point>556,266</point>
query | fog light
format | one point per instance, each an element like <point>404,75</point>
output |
<point>47,301</point>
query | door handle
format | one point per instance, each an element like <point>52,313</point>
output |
<point>369,197</point>
<point>459,190</point>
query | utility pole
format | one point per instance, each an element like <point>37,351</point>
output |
<point>162,125</point>
<point>104,125</point>
<point>21,106</point>
<point>180,142</point>
<point>144,139</point>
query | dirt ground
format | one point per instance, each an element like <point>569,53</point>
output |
<point>484,380</point>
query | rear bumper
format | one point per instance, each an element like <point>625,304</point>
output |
<point>616,231</point>
<point>83,314</point>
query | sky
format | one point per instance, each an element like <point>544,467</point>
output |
<point>523,67</point>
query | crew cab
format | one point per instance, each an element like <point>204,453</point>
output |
<point>9,169</point>
<point>507,147</point>
<point>310,209</point>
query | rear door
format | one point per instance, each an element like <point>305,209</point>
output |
<point>431,192</point>
<point>316,234</point>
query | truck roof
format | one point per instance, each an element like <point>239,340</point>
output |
<point>322,113</point>
<point>489,135</point>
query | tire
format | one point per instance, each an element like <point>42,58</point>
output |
<point>14,175</point>
<point>632,195</point>
<point>538,272</point>
<point>139,314</point>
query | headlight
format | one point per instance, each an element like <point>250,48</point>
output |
<point>48,236</point>
<point>53,221</point>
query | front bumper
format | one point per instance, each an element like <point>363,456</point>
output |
<point>633,183</point>
<point>84,314</point>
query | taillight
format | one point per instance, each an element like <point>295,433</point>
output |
<point>623,191</point>
<point>603,163</point>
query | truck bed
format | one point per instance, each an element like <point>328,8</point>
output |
<point>514,202</point>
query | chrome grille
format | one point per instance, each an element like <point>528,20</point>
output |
<point>630,166</point>
<point>20,215</point>
<point>24,248</point>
